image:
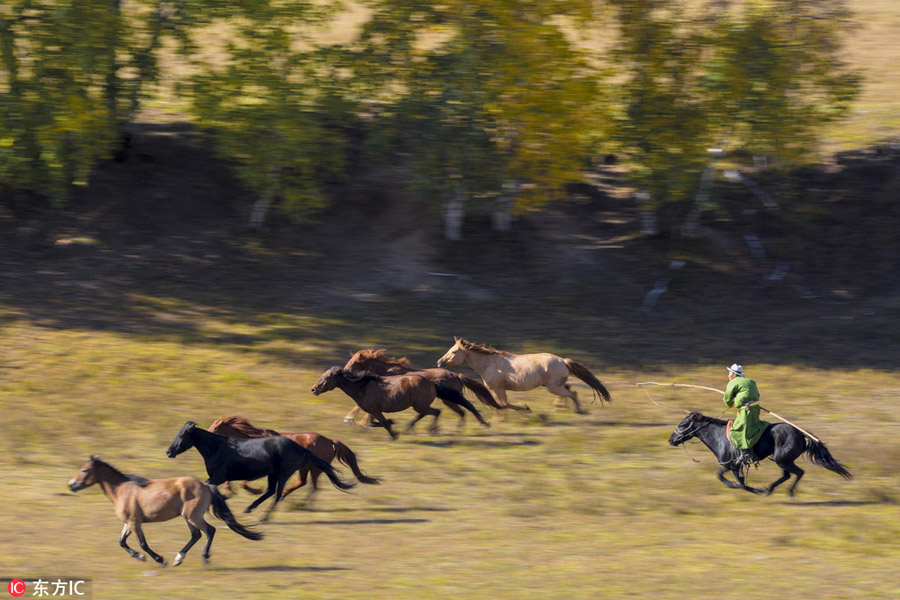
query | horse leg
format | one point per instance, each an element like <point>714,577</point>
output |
<point>301,481</point>
<point>195,535</point>
<point>126,531</point>
<point>139,532</point>
<point>505,403</point>
<point>279,490</point>
<point>377,414</point>
<point>564,391</point>
<point>799,473</point>
<point>742,484</point>
<point>458,410</point>
<point>421,413</point>
<point>729,483</point>
<point>250,489</point>
<point>350,417</point>
<point>269,491</point>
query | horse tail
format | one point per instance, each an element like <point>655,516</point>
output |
<point>330,471</point>
<point>581,372</point>
<point>819,454</point>
<point>445,392</point>
<point>480,390</point>
<point>221,510</point>
<point>346,456</point>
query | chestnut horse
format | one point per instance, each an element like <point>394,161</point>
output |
<point>323,447</point>
<point>392,393</point>
<point>138,501</point>
<point>502,371</point>
<point>375,361</point>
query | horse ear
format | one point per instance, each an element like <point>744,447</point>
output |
<point>95,457</point>
<point>456,339</point>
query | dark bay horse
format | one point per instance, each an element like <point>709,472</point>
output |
<point>784,443</point>
<point>376,361</point>
<point>233,459</point>
<point>138,501</point>
<point>392,393</point>
<point>323,447</point>
<point>502,371</point>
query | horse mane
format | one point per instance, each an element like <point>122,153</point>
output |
<point>365,377</point>
<point>698,416</point>
<point>467,345</point>
<point>140,481</point>
<point>239,423</point>
<point>378,355</point>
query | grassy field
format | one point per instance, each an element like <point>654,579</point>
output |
<point>118,323</point>
<point>546,505</point>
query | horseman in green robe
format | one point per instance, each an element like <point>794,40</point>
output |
<point>742,394</point>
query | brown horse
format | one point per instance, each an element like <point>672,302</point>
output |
<point>392,393</point>
<point>375,361</point>
<point>138,500</point>
<point>502,371</point>
<point>323,447</point>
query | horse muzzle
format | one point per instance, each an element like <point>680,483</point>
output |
<point>441,363</point>
<point>75,486</point>
<point>314,391</point>
<point>169,453</point>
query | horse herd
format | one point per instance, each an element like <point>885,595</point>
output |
<point>235,450</point>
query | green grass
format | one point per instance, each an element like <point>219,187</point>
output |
<point>565,506</point>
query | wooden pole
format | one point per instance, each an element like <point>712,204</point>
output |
<point>703,387</point>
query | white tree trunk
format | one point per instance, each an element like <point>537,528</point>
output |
<point>454,210</point>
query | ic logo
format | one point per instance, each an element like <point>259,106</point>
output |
<point>16,587</point>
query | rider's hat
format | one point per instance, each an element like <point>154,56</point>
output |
<point>736,369</point>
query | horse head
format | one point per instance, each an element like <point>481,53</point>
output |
<point>327,382</point>
<point>456,355</point>
<point>85,477</point>
<point>182,440</point>
<point>686,429</point>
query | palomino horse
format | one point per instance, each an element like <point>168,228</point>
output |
<point>233,459</point>
<point>377,395</point>
<point>323,447</point>
<point>375,361</point>
<point>138,501</point>
<point>785,443</point>
<point>502,371</point>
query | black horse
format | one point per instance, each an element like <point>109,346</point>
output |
<point>245,459</point>
<point>785,443</point>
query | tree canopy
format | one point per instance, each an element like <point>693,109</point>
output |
<point>483,100</point>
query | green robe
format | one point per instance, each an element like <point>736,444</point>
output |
<point>747,428</point>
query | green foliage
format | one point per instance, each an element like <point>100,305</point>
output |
<point>759,75</point>
<point>480,95</point>
<point>70,74</point>
<point>274,102</point>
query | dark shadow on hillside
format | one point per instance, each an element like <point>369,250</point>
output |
<point>157,248</point>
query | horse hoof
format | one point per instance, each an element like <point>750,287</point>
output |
<point>205,561</point>
<point>179,558</point>
<point>348,420</point>
<point>141,557</point>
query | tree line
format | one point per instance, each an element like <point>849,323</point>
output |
<point>484,104</point>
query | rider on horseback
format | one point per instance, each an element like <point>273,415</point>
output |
<point>746,430</point>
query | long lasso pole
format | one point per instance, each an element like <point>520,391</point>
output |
<point>703,387</point>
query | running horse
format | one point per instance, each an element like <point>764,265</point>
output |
<point>375,361</point>
<point>138,500</point>
<point>502,371</point>
<point>233,459</point>
<point>783,442</point>
<point>392,393</point>
<point>323,447</point>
